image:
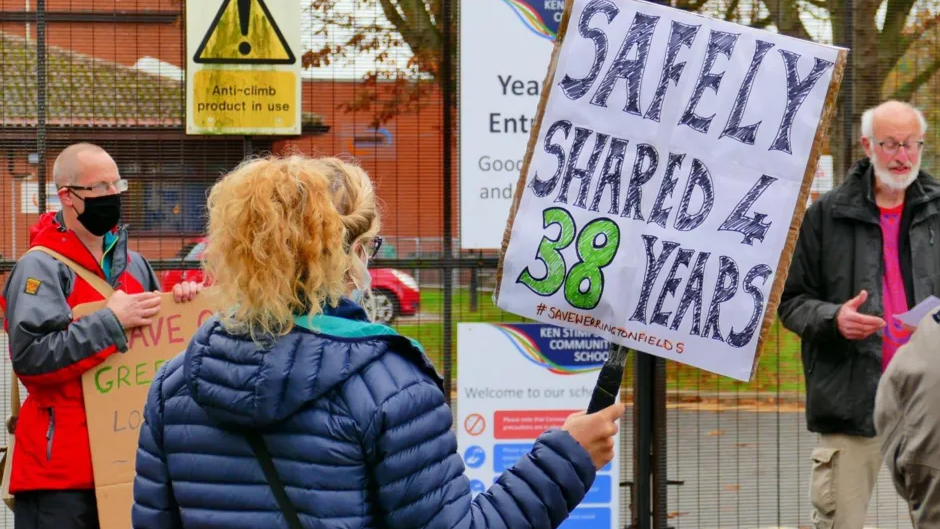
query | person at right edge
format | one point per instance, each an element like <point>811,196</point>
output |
<point>908,423</point>
<point>356,425</point>
<point>867,251</point>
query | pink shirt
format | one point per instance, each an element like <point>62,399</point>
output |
<point>895,300</point>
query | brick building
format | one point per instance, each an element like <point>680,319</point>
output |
<point>114,77</point>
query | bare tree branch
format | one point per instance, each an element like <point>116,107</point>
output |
<point>731,14</point>
<point>413,22</point>
<point>910,36</point>
<point>819,4</point>
<point>907,90</point>
<point>786,16</point>
<point>435,7</point>
<point>762,23</point>
<point>691,5</point>
<point>895,19</point>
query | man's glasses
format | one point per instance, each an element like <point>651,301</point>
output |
<point>103,187</point>
<point>892,146</point>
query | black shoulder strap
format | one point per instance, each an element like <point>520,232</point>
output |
<point>270,473</point>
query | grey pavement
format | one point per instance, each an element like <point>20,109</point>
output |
<point>747,469</point>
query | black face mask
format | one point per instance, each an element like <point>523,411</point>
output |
<point>101,214</point>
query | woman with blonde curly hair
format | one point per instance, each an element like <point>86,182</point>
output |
<point>291,409</point>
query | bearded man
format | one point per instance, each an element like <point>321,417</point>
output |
<point>868,251</point>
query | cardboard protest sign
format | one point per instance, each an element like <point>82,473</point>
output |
<point>665,181</point>
<point>115,393</point>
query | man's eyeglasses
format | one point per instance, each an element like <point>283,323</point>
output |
<point>103,187</point>
<point>892,146</point>
<point>374,246</point>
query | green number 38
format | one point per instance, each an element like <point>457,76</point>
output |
<point>596,246</point>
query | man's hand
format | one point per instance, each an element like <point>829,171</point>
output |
<point>186,291</point>
<point>134,310</point>
<point>855,325</point>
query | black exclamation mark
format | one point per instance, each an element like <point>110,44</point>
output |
<point>244,15</point>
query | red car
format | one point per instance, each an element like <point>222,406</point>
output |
<point>394,293</point>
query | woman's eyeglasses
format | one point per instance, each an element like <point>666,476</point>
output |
<point>374,246</point>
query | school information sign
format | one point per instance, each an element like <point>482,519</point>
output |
<point>499,93</point>
<point>243,67</point>
<point>665,180</point>
<point>545,374</point>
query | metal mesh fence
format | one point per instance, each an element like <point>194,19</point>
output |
<point>111,72</point>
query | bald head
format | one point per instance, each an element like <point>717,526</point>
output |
<point>892,135</point>
<point>76,162</point>
<point>893,117</point>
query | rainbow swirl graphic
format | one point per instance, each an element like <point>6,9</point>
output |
<point>530,351</point>
<point>531,18</point>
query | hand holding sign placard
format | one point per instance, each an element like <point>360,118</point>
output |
<point>116,390</point>
<point>666,178</point>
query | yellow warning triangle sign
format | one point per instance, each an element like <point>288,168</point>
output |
<point>244,32</point>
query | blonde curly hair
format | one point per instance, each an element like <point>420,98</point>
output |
<point>355,200</point>
<point>275,244</point>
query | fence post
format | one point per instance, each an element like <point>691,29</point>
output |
<point>642,435</point>
<point>41,101</point>
<point>847,93</point>
<point>446,74</point>
<point>474,289</point>
<point>660,470</point>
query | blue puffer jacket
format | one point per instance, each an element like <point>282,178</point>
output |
<point>357,424</point>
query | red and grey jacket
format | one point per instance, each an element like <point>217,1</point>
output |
<point>50,352</point>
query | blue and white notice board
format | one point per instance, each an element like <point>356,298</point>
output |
<point>516,380</point>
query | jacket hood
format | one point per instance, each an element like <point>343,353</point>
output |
<point>238,382</point>
<point>50,232</point>
<point>47,227</point>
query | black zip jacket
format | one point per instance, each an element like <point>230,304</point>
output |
<point>838,254</point>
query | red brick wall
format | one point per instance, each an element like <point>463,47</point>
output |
<point>407,172</point>
<point>123,42</point>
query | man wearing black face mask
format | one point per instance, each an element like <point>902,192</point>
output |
<point>51,476</point>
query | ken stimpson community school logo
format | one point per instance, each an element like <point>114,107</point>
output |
<point>539,16</point>
<point>561,351</point>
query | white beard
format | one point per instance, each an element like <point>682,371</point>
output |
<point>892,181</point>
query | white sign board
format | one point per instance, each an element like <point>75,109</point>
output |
<point>823,179</point>
<point>29,197</point>
<point>669,158</point>
<point>545,374</point>
<point>505,48</point>
<point>243,67</point>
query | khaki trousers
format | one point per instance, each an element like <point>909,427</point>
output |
<point>845,469</point>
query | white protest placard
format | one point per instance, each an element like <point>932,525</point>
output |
<point>665,181</point>
<point>545,374</point>
<point>505,48</point>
